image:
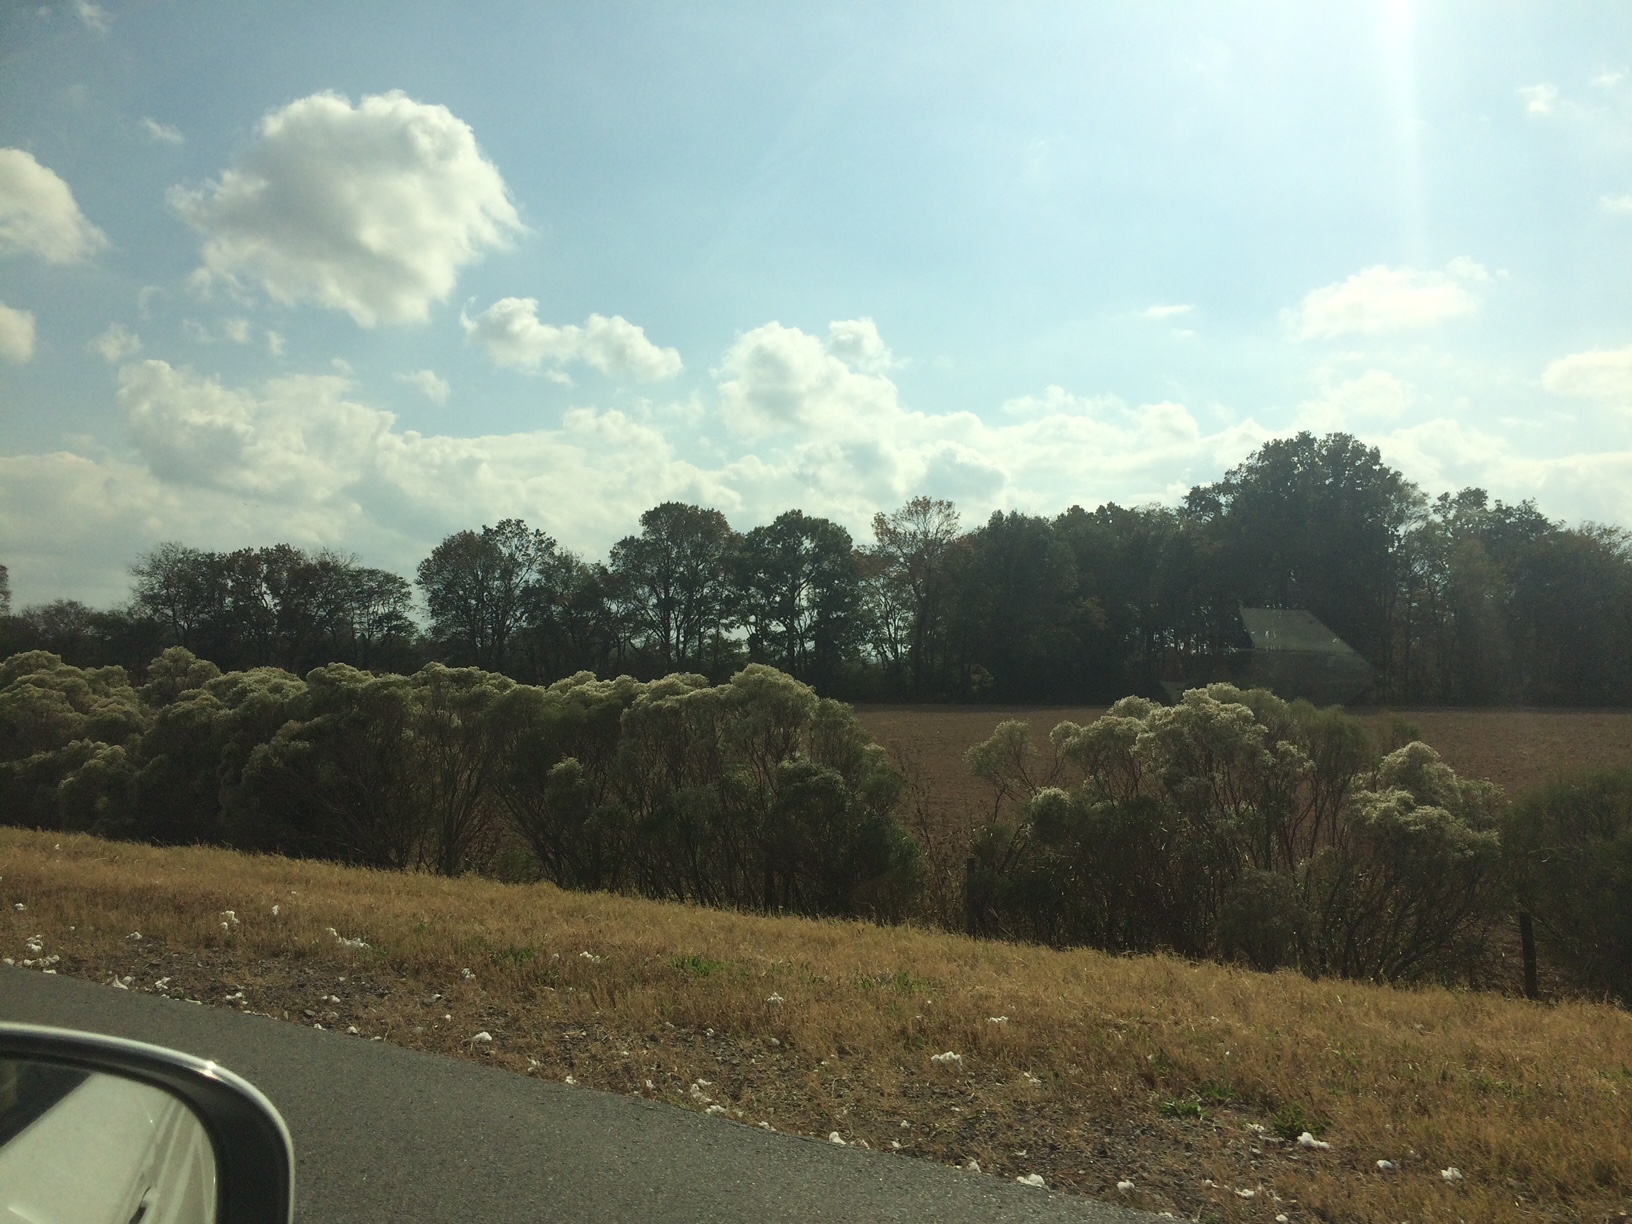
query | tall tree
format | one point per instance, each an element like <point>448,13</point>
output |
<point>1314,523</point>
<point>801,589</point>
<point>477,586</point>
<point>1018,614</point>
<point>673,580</point>
<point>916,546</point>
<point>179,587</point>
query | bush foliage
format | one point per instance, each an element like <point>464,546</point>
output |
<point>1237,826</point>
<point>1232,826</point>
<point>754,794</point>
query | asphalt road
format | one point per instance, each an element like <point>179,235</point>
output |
<point>387,1134</point>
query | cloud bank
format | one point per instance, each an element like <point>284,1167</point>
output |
<point>370,209</point>
<point>789,422</point>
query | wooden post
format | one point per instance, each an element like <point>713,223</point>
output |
<point>1527,941</point>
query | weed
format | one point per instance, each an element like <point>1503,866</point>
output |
<point>1183,1107</point>
<point>697,966</point>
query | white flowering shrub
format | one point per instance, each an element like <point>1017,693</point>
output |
<point>1239,826</point>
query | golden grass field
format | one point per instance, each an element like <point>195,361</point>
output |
<point>1084,1068</point>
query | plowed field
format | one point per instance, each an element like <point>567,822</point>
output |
<point>1516,748</point>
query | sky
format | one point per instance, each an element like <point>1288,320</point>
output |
<point>358,276</point>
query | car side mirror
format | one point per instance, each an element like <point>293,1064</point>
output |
<point>98,1130</point>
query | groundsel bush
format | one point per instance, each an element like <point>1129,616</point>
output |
<point>752,794</point>
<point>1237,826</point>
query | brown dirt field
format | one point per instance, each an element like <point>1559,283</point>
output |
<point>1516,748</point>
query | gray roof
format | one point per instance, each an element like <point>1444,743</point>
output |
<point>1291,629</point>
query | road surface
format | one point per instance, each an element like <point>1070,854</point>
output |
<point>387,1134</point>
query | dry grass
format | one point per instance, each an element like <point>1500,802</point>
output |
<point>1094,1077</point>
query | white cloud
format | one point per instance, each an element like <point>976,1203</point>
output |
<point>1444,454</point>
<point>234,330</point>
<point>1539,99</point>
<point>372,209</point>
<point>151,300</point>
<point>162,133</point>
<point>838,441</point>
<point>38,214</point>
<point>116,344</point>
<point>301,458</point>
<point>275,343</point>
<point>857,343</point>
<point>778,378</point>
<point>1165,312</point>
<point>93,16</point>
<point>1599,374</point>
<point>1616,204</point>
<point>16,334</point>
<point>430,384</point>
<point>1376,395</point>
<point>510,332</point>
<point>1382,299</point>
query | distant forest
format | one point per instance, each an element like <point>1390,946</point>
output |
<point>1457,600</point>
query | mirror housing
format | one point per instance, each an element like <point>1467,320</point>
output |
<point>254,1158</point>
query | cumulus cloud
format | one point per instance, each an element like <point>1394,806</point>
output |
<point>304,447</point>
<point>162,133</point>
<point>1449,454</point>
<point>776,378</point>
<point>16,335</point>
<point>510,332</point>
<point>429,383</point>
<point>839,441</point>
<point>38,214</point>
<point>116,344</point>
<point>1599,374</point>
<point>1383,299</point>
<point>1616,204</point>
<point>370,209</point>
<point>1539,99</point>
<point>857,342</point>
<point>304,458</point>
<point>1374,396</point>
<point>1165,312</point>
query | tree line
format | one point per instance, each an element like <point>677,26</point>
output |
<point>1457,600</point>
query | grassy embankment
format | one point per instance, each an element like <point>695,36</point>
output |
<point>1085,1068</point>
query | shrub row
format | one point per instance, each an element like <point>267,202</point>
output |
<point>752,794</point>
<point>1240,827</point>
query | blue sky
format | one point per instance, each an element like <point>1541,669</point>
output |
<point>360,275</point>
